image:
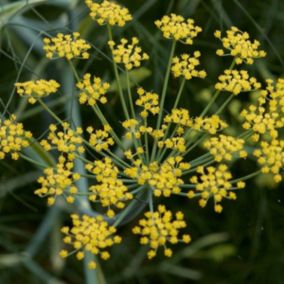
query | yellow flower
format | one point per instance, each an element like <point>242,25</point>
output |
<point>13,138</point>
<point>267,116</point>
<point>92,90</point>
<point>174,143</point>
<point>160,228</point>
<point>214,182</point>
<point>67,141</point>
<point>38,89</point>
<point>271,158</point>
<point>185,66</point>
<point>68,46</point>
<point>128,54</point>
<point>235,82</point>
<point>164,179</point>
<point>109,190</point>
<point>132,127</point>
<point>149,101</point>
<point>211,124</point>
<point>100,140</point>
<point>179,116</point>
<point>58,181</point>
<point>89,234</point>
<point>240,46</point>
<point>178,28</point>
<point>224,147</point>
<point>109,13</point>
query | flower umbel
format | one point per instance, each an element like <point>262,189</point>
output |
<point>13,138</point>
<point>240,46</point>
<point>58,181</point>
<point>89,234</point>
<point>236,82</point>
<point>38,89</point>
<point>109,12</point>
<point>68,46</point>
<point>160,228</point>
<point>128,54</point>
<point>214,182</point>
<point>92,91</point>
<point>185,66</point>
<point>178,28</point>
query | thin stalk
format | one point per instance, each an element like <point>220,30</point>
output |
<point>179,93</point>
<point>124,107</point>
<point>32,161</point>
<point>216,94</point>
<point>129,94</point>
<point>50,111</point>
<point>246,177</point>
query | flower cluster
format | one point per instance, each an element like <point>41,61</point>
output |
<point>160,228</point>
<point>211,124</point>
<point>185,66</point>
<point>223,147</point>
<point>214,182</point>
<point>128,54</point>
<point>100,140</point>
<point>179,116</point>
<point>13,138</point>
<point>164,179</point>
<point>240,46</point>
<point>92,91</point>
<point>271,158</point>
<point>110,190</point>
<point>89,234</point>
<point>58,181</point>
<point>109,13</point>
<point>67,141</point>
<point>267,116</point>
<point>178,28</point>
<point>236,82</point>
<point>66,46</point>
<point>149,101</point>
<point>38,89</point>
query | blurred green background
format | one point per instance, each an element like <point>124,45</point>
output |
<point>244,244</point>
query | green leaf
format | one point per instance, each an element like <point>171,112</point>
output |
<point>220,252</point>
<point>135,76</point>
<point>9,10</point>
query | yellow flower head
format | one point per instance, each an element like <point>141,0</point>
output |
<point>271,158</point>
<point>267,116</point>
<point>58,181</point>
<point>67,141</point>
<point>149,101</point>
<point>128,54</point>
<point>214,182</point>
<point>109,190</point>
<point>211,124</point>
<point>66,46</point>
<point>92,91</point>
<point>100,139</point>
<point>132,127</point>
<point>175,143</point>
<point>89,234</point>
<point>38,89</point>
<point>236,82</point>
<point>185,66</point>
<point>178,28</point>
<point>179,116</point>
<point>224,147</point>
<point>160,228</point>
<point>164,179</point>
<point>13,138</point>
<point>240,46</point>
<point>109,12</point>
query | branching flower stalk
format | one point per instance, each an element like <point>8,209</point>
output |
<point>160,162</point>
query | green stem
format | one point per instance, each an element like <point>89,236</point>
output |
<point>50,111</point>
<point>179,93</point>
<point>130,95</point>
<point>165,86</point>
<point>124,107</point>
